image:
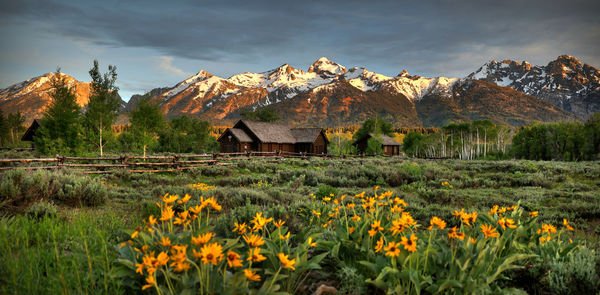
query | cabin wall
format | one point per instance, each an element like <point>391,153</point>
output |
<point>391,150</point>
<point>275,147</point>
<point>320,145</point>
<point>229,145</point>
<point>362,145</point>
<point>303,148</point>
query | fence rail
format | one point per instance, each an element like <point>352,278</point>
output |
<point>153,164</point>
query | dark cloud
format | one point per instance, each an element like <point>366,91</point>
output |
<point>428,37</point>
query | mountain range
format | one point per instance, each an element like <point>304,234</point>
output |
<point>329,94</point>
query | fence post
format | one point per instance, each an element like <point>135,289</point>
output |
<point>176,161</point>
<point>59,160</point>
<point>124,161</point>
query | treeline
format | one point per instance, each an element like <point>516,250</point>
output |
<point>466,141</point>
<point>11,129</point>
<point>567,141</point>
<point>67,129</point>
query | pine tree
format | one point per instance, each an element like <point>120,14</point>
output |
<point>60,128</point>
<point>103,107</point>
<point>266,114</point>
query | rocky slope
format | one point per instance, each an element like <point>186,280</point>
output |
<point>565,82</point>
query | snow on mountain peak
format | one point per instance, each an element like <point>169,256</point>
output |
<point>181,86</point>
<point>416,87</point>
<point>326,68</point>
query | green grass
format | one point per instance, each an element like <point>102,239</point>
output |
<point>52,255</point>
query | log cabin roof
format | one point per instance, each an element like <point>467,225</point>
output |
<point>386,140</point>
<point>307,135</point>
<point>239,134</point>
<point>30,133</point>
<point>269,132</point>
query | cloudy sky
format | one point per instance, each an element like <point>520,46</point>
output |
<point>159,43</point>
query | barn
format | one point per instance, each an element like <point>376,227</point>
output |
<point>389,145</point>
<point>246,136</point>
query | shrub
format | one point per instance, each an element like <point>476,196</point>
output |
<point>351,281</point>
<point>326,191</point>
<point>19,188</point>
<point>42,209</point>
<point>574,274</point>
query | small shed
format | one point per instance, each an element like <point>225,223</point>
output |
<point>389,146</point>
<point>30,133</point>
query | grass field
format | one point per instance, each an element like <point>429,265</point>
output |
<point>63,233</point>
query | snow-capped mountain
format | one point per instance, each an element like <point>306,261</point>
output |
<point>30,97</point>
<point>565,82</point>
<point>215,97</point>
<point>329,93</point>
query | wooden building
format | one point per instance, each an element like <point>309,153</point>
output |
<point>30,132</point>
<point>310,140</point>
<point>390,147</point>
<point>246,136</point>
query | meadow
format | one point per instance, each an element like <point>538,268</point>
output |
<point>362,226</point>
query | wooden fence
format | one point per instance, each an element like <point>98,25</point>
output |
<point>152,164</point>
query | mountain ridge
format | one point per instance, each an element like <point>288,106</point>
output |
<point>330,93</point>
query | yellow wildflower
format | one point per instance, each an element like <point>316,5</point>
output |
<point>202,239</point>
<point>251,275</point>
<point>488,231</point>
<point>379,245</point>
<point>410,244</point>
<point>255,256</point>
<point>566,224</point>
<point>392,249</point>
<point>233,259</point>
<point>285,237</point>
<point>279,223</point>
<point>286,262</point>
<point>212,253</point>
<point>254,240</point>
<point>167,199</point>
<point>150,282</point>
<point>240,228</point>
<point>167,213</point>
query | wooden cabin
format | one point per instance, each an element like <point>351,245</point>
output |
<point>310,140</point>
<point>234,140</point>
<point>389,146</point>
<point>246,136</point>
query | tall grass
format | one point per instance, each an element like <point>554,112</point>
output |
<point>54,256</point>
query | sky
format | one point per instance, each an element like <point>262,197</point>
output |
<point>160,43</point>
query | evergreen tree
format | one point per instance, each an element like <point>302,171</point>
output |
<point>60,128</point>
<point>146,121</point>
<point>591,135</point>
<point>375,126</point>
<point>266,114</point>
<point>103,107</point>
